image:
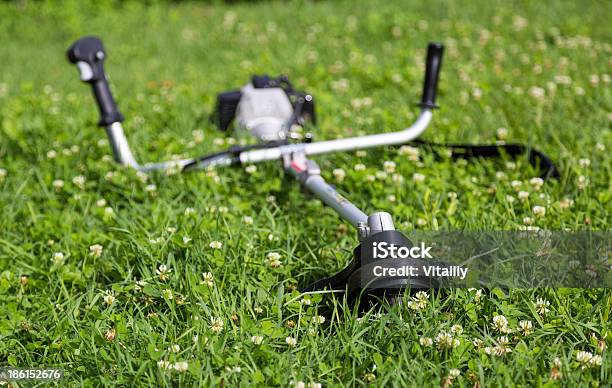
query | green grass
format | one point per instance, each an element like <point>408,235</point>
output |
<point>167,62</point>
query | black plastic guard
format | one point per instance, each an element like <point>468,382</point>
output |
<point>356,277</point>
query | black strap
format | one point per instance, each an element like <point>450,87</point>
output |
<point>463,151</point>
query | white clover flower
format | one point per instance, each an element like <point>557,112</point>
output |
<point>381,175</point>
<point>251,169</point>
<point>397,178</point>
<point>109,298</point>
<point>139,284</point>
<point>523,195</point>
<point>536,183</point>
<point>58,258</point>
<point>584,357</point>
<point>426,341</point>
<point>167,294</point>
<point>477,342</point>
<point>109,176</point>
<point>208,279</point>
<point>306,302</point>
<point>248,220</point>
<point>584,162</point>
<point>359,167</point>
<point>541,306</point>
<point>510,199</point>
<point>516,185</point>
<point>291,341</point>
<point>189,211</point>
<point>391,198</point>
<point>451,195</point>
<point>258,310</point>
<point>164,364</point>
<point>157,240</point>
<point>96,250</point>
<point>537,93</point>
<point>198,135</point>
<point>58,184</point>
<point>108,211</point>
<point>101,202</point>
<point>563,79</point>
<point>216,324</point>
<point>51,154</point>
<point>525,327</point>
<point>539,211</point>
<point>527,220</point>
<point>79,181</point>
<point>445,340</point>
<point>418,177</point>
<point>574,264</point>
<point>582,182</point>
<point>596,360</point>
<point>457,329</point>
<point>318,319</point>
<point>500,323</point>
<point>257,339</point>
<point>478,295</point>
<point>339,174</point>
<point>181,366</point>
<point>187,239</point>
<point>150,188</point>
<point>274,259</point>
<point>216,245</point>
<point>454,373</point>
<point>600,147</point>
<point>361,153</point>
<point>411,152</point>
<point>142,176</point>
<point>511,165</point>
<point>163,272</point>
<point>566,203</point>
<point>389,166</point>
<point>421,222</point>
<point>275,263</point>
<point>422,298</point>
<point>174,348</point>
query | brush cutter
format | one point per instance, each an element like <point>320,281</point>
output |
<point>270,110</point>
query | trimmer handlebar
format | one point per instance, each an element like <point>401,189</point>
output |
<point>88,54</point>
<point>432,74</point>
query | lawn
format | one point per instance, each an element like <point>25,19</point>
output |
<point>165,280</point>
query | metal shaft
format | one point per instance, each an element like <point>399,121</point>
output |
<point>317,185</point>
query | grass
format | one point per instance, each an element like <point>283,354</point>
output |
<point>540,70</point>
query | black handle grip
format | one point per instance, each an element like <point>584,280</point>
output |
<point>88,54</point>
<point>432,73</point>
